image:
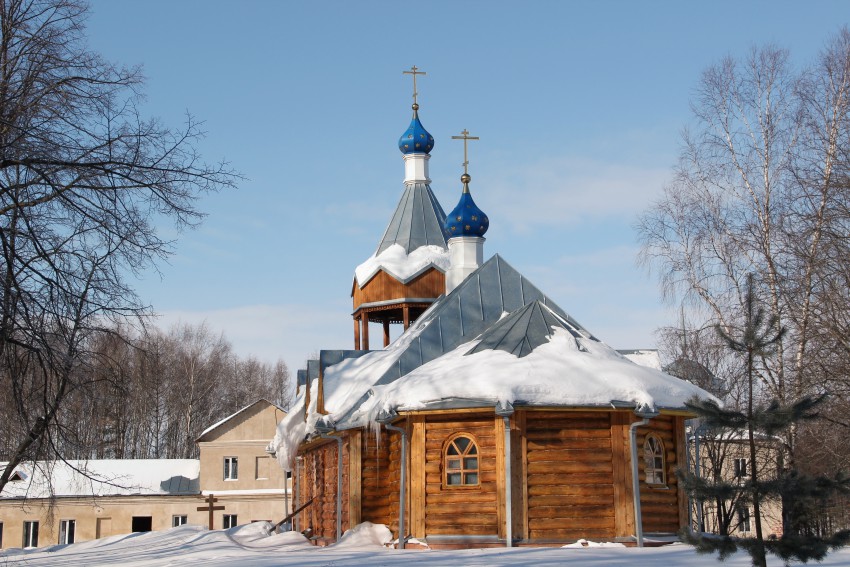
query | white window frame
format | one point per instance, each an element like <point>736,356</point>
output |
<point>30,538</point>
<point>744,517</point>
<point>178,520</point>
<point>67,531</point>
<point>229,521</point>
<point>231,468</point>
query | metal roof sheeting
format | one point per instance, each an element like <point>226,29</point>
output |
<point>418,221</point>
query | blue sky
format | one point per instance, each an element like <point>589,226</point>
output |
<point>579,107</point>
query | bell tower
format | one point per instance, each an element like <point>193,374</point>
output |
<point>407,272</point>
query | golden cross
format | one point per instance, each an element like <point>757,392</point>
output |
<point>414,71</point>
<point>465,136</point>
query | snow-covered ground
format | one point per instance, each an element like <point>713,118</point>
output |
<point>249,546</point>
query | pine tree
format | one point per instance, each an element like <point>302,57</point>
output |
<point>800,494</point>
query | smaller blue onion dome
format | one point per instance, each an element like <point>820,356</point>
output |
<point>416,139</point>
<point>466,219</point>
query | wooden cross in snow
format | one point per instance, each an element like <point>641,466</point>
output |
<point>209,507</point>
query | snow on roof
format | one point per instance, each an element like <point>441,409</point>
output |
<point>231,416</point>
<point>402,266</point>
<point>643,357</point>
<point>107,477</point>
<point>566,371</point>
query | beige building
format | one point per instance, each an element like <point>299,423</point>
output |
<point>726,456</point>
<point>57,503</point>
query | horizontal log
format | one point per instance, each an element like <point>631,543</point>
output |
<point>568,489</point>
<point>658,509</point>
<point>437,487</point>
<point>433,530</point>
<point>602,443</point>
<point>570,534</point>
<point>484,477</point>
<point>435,493</point>
<point>437,442</point>
<point>485,465</point>
<point>461,519</point>
<point>659,496</point>
<point>460,507</point>
<point>554,424</point>
<point>568,467</point>
<point>543,435</point>
<point>599,522</point>
<point>574,500</point>
<point>565,414</point>
<point>541,479</point>
<point>568,455</point>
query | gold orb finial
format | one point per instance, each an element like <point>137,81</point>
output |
<point>465,178</point>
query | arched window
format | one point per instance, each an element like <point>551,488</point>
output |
<point>460,462</point>
<point>653,458</point>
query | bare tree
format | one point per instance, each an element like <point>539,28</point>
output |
<point>82,178</point>
<point>761,187</point>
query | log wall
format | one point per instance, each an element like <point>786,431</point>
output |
<point>382,287</point>
<point>460,510</point>
<point>375,474</point>
<point>319,480</point>
<point>570,490</point>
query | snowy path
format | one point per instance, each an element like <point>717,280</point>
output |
<point>246,546</point>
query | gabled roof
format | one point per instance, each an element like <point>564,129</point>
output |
<point>209,430</point>
<point>418,221</point>
<point>523,331</point>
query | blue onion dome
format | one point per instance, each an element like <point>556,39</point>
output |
<point>416,139</point>
<point>466,219</point>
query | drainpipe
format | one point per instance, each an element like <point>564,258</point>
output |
<point>506,412</point>
<point>645,417</point>
<point>324,427</point>
<point>384,418</point>
<point>296,524</point>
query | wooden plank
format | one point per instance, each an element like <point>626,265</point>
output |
<point>520,419</point>
<point>570,513</point>
<point>355,477</point>
<point>456,496</point>
<point>459,517</point>
<point>499,428</point>
<point>623,508</point>
<point>681,463</point>
<point>417,477</point>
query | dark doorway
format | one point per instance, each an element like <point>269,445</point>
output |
<point>142,523</point>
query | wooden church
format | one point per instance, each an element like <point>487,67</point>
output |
<point>495,419</point>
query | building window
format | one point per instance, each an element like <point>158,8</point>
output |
<point>1,535</point>
<point>743,518</point>
<point>231,468</point>
<point>653,459</point>
<point>229,521</point>
<point>30,534</point>
<point>67,529</point>
<point>461,462</point>
<point>179,521</point>
<point>740,469</point>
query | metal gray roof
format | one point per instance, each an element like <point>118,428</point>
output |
<point>523,331</point>
<point>418,220</point>
<point>469,310</point>
<point>331,357</point>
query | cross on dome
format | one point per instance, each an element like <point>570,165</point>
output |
<point>465,137</point>
<point>414,71</point>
